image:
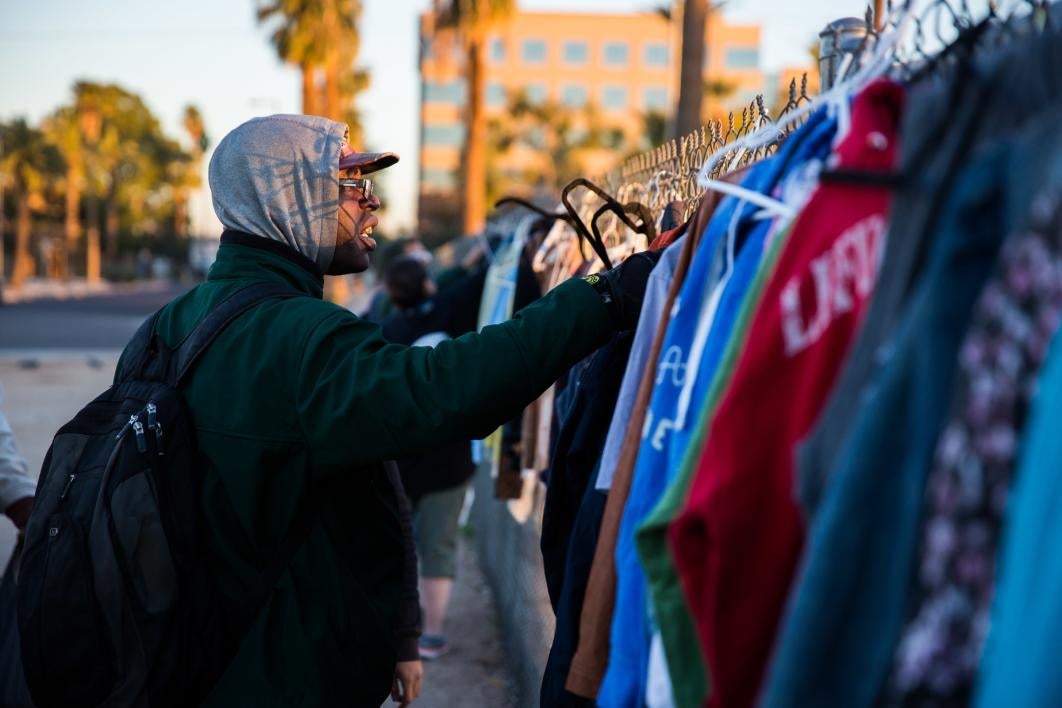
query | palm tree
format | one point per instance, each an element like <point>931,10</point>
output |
<point>294,43</point>
<point>195,128</point>
<point>126,154</point>
<point>473,20</point>
<point>63,131</point>
<point>691,70</point>
<point>30,162</point>
<point>321,38</point>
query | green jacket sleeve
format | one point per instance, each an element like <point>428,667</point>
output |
<point>361,399</point>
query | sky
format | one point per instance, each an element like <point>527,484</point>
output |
<point>212,53</point>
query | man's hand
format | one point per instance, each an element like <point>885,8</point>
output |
<point>19,512</point>
<point>409,676</point>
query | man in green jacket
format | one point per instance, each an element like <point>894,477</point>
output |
<point>300,395</point>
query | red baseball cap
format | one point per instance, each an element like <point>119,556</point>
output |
<point>367,162</point>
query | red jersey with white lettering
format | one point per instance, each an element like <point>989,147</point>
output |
<point>737,541</point>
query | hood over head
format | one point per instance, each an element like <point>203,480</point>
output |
<point>276,177</point>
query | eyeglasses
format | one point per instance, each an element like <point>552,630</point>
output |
<point>362,184</point>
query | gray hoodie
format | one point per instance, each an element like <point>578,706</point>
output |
<point>276,177</point>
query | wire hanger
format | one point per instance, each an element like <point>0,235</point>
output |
<point>837,97</point>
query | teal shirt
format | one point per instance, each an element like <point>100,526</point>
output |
<point>301,392</point>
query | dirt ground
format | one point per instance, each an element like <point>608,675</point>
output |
<point>39,391</point>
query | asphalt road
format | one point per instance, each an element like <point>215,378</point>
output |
<point>102,322</point>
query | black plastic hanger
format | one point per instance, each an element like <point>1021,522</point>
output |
<point>562,216</point>
<point>610,204</point>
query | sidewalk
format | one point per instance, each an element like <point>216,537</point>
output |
<point>43,390</point>
<point>474,672</point>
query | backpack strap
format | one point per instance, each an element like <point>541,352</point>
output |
<point>153,360</point>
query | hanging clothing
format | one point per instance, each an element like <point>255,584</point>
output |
<point>592,389</point>
<point>944,121</point>
<point>675,631</point>
<point>736,542</point>
<point>1017,314</point>
<point>652,313</point>
<point>508,282</point>
<point>578,562</point>
<point>847,609</point>
<point>591,656</point>
<point>1020,663</point>
<point>666,238</point>
<point>710,298</point>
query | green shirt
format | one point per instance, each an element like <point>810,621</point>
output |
<point>301,392</point>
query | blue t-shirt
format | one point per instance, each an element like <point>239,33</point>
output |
<point>1020,662</point>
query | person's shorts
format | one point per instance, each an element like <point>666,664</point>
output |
<point>435,518</point>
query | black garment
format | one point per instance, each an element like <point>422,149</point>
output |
<point>569,606</point>
<point>574,507</point>
<point>577,451</point>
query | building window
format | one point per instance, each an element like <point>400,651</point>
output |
<point>495,95</point>
<point>616,54</point>
<point>742,57</point>
<point>536,94</point>
<point>444,135</point>
<point>576,53</point>
<point>614,97</point>
<point>436,178</point>
<point>444,92</point>
<point>656,55</point>
<point>573,96</point>
<point>655,99</point>
<point>534,51</point>
<point>536,138</point>
<point>497,50</point>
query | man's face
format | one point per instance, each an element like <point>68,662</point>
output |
<point>356,222</point>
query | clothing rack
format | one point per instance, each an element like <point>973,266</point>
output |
<point>669,172</point>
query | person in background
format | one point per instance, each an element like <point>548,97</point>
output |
<point>381,305</point>
<point>436,481</point>
<point>16,486</point>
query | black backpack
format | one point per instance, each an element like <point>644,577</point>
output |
<point>116,604</point>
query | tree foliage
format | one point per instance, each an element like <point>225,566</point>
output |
<point>99,164</point>
<point>321,38</point>
<point>472,20</point>
<point>557,143</point>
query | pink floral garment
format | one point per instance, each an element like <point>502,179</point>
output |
<point>1015,318</point>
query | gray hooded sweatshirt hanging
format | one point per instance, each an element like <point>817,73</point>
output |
<point>276,177</point>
